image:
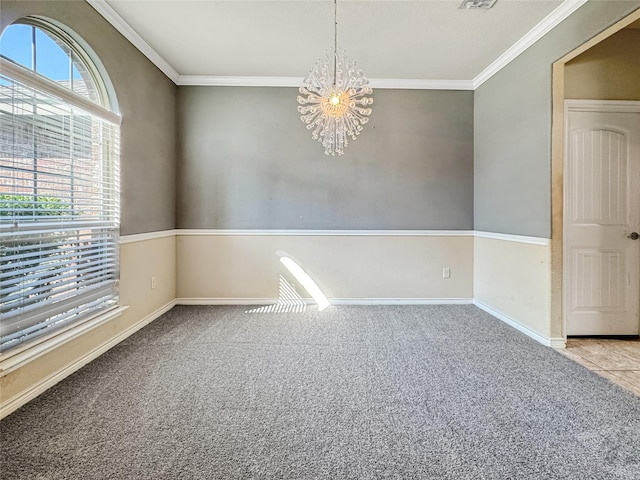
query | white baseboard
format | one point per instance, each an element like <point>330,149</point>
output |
<point>549,342</point>
<point>16,402</point>
<point>557,342</point>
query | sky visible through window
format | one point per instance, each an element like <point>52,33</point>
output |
<point>51,60</point>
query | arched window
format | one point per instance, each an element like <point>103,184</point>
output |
<point>59,184</point>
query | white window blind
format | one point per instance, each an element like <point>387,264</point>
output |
<point>59,212</point>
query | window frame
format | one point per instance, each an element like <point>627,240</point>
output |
<point>106,110</point>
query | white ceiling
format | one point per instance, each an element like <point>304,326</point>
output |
<point>420,42</point>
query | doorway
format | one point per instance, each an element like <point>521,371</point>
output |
<point>594,84</point>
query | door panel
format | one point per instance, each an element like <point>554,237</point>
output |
<point>602,200</point>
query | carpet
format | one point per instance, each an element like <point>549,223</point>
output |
<point>352,392</point>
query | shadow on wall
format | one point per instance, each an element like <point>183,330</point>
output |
<point>289,301</point>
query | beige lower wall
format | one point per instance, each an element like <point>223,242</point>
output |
<point>514,279</point>
<point>139,261</point>
<point>349,267</point>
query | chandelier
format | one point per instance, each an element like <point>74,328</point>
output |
<point>334,105</point>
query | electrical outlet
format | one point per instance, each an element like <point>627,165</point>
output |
<point>446,272</point>
<point>153,282</point>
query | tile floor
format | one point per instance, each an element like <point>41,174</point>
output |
<point>615,359</point>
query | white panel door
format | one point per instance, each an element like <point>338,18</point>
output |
<point>601,214</point>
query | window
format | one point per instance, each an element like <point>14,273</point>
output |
<point>59,185</point>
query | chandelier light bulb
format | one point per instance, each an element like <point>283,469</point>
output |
<point>336,104</point>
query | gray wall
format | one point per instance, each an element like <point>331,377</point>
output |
<point>147,100</point>
<point>247,161</point>
<point>512,110</point>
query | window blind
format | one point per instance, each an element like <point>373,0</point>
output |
<point>59,212</point>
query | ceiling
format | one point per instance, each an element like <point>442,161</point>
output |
<point>415,44</point>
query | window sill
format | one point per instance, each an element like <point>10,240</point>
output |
<point>20,356</point>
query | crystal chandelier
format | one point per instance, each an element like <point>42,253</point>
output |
<point>334,105</point>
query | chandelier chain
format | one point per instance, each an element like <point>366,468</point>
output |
<point>335,41</point>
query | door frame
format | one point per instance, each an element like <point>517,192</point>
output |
<point>557,326</point>
<point>597,106</point>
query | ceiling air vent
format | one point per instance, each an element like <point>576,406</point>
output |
<point>475,4</point>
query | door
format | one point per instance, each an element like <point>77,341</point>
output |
<point>602,219</point>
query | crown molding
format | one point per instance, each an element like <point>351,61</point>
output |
<point>537,32</point>
<point>413,84</point>
<point>391,83</point>
<point>224,81</point>
<point>104,9</point>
